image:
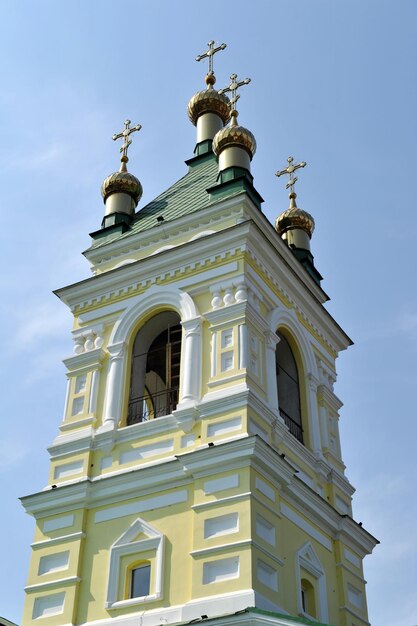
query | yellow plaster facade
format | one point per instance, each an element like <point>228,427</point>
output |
<point>228,506</point>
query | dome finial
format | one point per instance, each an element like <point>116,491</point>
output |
<point>233,87</point>
<point>121,190</point>
<point>294,225</point>
<point>125,134</point>
<point>234,145</point>
<point>289,170</point>
<point>209,54</point>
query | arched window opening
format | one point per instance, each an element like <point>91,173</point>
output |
<point>308,600</point>
<point>288,388</point>
<point>155,372</point>
<point>140,580</point>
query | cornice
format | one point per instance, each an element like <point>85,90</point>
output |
<point>189,223</point>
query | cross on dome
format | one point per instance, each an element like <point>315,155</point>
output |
<point>209,54</point>
<point>233,87</point>
<point>289,170</point>
<point>125,134</point>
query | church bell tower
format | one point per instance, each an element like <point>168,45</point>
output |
<point>197,473</point>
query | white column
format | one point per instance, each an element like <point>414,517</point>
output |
<point>312,385</point>
<point>323,426</point>
<point>191,360</point>
<point>243,346</point>
<point>66,399</point>
<point>114,386</point>
<point>271,341</point>
<point>213,353</point>
<point>95,379</point>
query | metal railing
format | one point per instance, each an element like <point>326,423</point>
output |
<point>151,406</point>
<point>294,428</point>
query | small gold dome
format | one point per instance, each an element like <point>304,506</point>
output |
<point>294,217</point>
<point>122,182</point>
<point>208,101</point>
<point>234,135</point>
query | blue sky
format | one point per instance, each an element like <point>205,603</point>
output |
<point>333,83</point>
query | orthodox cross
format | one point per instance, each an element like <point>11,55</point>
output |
<point>124,134</point>
<point>209,54</point>
<point>289,170</point>
<point>233,87</point>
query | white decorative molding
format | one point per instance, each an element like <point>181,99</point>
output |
<point>352,558</point>
<point>226,426</point>
<point>46,606</point>
<point>267,575</point>
<point>220,570</point>
<point>265,530</point>
<point>65,521</point>
<point>46,543</point>
<point>265,489</point>
<point>307,558</point>
<point>220,484</point>
<point>306,526</point>
<point>87,339</point>
<point>127,545</point>
<point>68,469</point>
<point>53,563</point>
<point>191,357</point>
<point>156,502</point>
<point>145,452</point>
<point>221,525</point>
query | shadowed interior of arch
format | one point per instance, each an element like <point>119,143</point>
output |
<point>155,371</point>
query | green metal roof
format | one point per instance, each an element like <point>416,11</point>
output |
<point>185,196</point>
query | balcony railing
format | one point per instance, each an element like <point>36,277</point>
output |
<point>154,405</point>
<point>294,428</point>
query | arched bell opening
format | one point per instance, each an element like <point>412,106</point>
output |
<point>288,386</point>
<point>155,368</point>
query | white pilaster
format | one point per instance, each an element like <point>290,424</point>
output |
<point>271,341</point>
<point>243,346</point>
<point>191,361</point>
<point>114,386</point>
<point>312,386</point>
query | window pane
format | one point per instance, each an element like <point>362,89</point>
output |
<point>140,581</point>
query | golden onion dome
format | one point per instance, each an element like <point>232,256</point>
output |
<point>209,101</point>
<point>293,218</point>
<point>234,135</point>
<point>122,182</point>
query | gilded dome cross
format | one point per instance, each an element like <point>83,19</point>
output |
<point>289,170</point>
<point>233,87</point>
<point>209,54</point>
<point>125,134</point>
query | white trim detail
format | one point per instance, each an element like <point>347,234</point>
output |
<point>226,426</point>
<point>126,545</point>
<point>219,484</point>
<point>220,570</point>
<point>349,556</point>
<point>53,562</point>
<point>48,605</point>
<point>307,559</point>
<point>306,526</point>
<point>221,525</point>
<point>58,522</point>
<point>264,488</point>
<point>144,452</point>
<point>68,469</point>
<point>157,502</point>
<point>154,298</point>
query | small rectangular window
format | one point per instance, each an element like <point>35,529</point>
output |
<point>140,581</point>
<point>80,383</point>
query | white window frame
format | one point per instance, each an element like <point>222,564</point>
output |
<point>307,559</point>
<point>125,546</point>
